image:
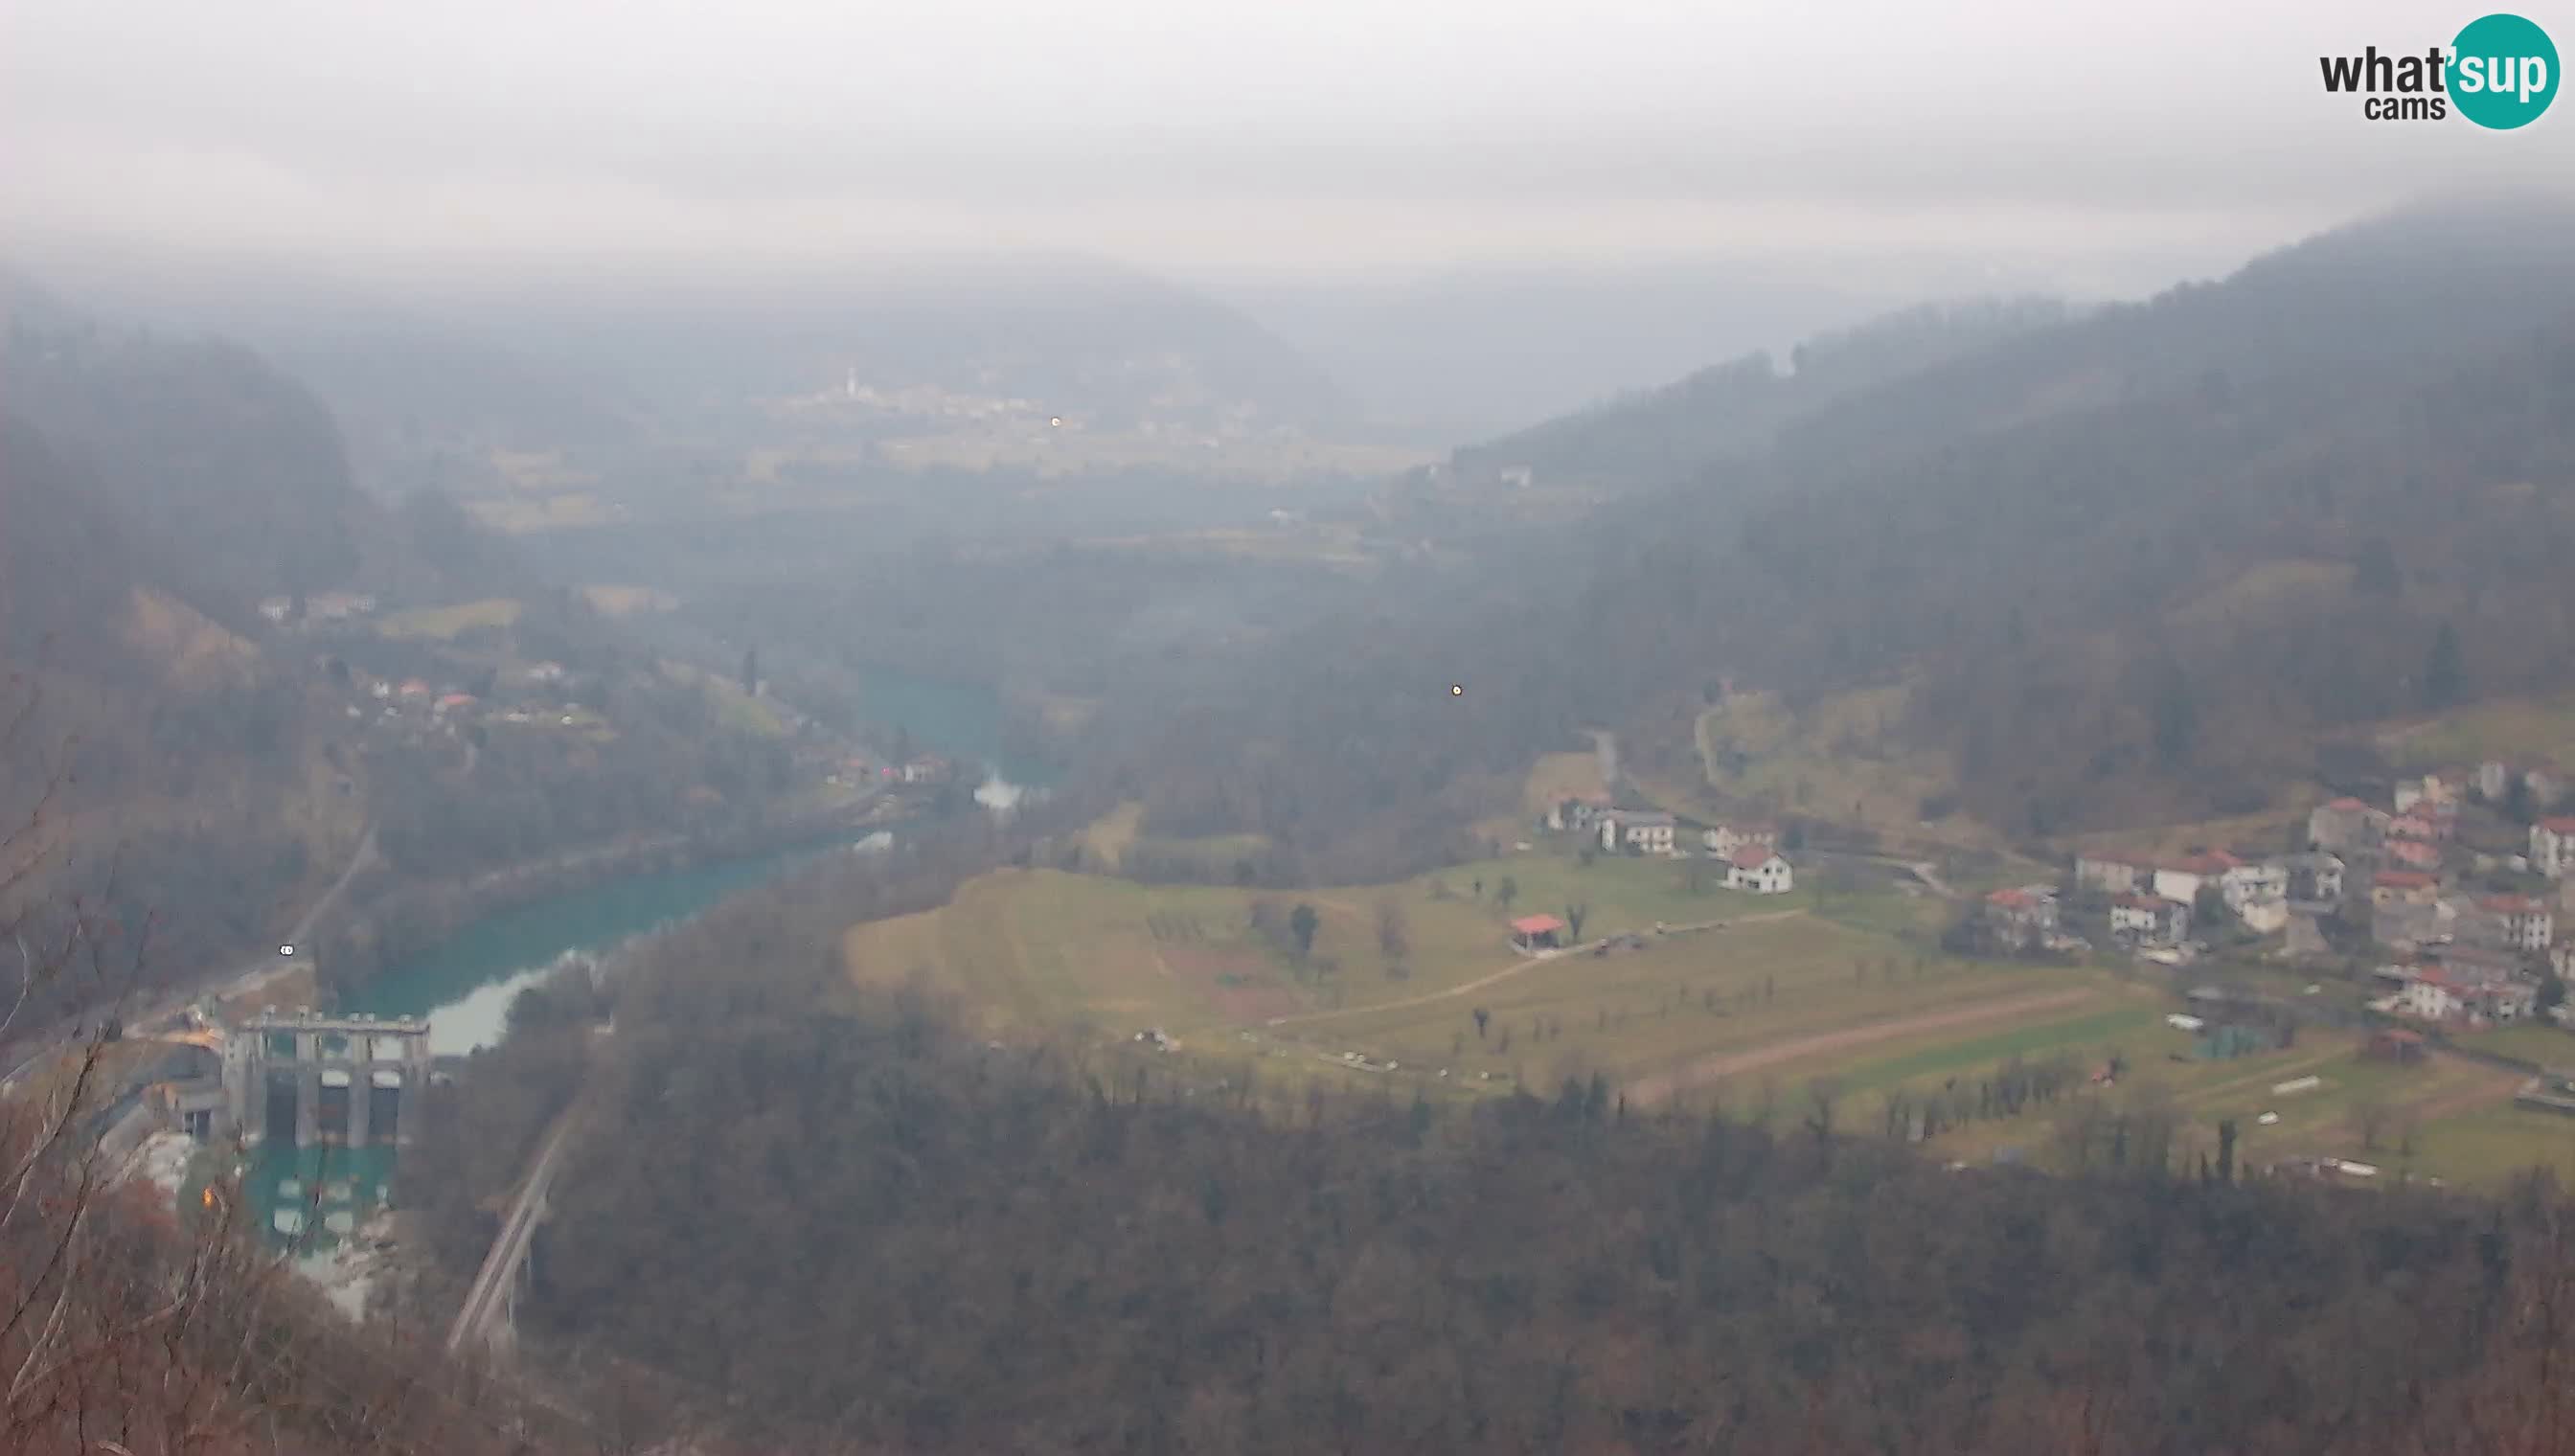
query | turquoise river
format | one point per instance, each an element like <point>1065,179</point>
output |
<point>464,984</point>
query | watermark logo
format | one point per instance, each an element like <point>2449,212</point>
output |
<point>2503,71</point>
<point>2500,72</point>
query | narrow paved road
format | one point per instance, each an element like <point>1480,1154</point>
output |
<point>241,979</point>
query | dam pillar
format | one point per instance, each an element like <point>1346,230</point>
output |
<point>350,1081</point>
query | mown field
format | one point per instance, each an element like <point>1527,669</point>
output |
<point>2532,1041</point>
<point>1029,950</point>
<point>2492,1143</point>
<point>2393,1117</point>
<point>1844,992</point>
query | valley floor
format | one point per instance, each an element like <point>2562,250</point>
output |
<point>1778,1008</point>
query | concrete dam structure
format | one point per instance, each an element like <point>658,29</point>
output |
<point>346,1081</point>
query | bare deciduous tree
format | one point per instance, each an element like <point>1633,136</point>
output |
<point>1393,931</point>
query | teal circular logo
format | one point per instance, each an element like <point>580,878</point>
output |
<point>2503,72</point>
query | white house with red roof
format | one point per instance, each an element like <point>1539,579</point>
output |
<point>2149,919</point>
<point>2022,915</point>
<point>2527,922</point>
<point>2412,853</point>
<point>2452,992</point>
<point>1760,869</point>
<point>2428,997</point>
<point>2552,846</point>
<point>2181,879</point>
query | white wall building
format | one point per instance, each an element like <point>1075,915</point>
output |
<point>1760,869</point>
<point>2552,846</point>
<point>1647,832</point>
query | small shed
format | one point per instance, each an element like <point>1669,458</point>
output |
<point>1531,933</point>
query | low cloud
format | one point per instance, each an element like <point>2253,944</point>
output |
<point>1334,134</point>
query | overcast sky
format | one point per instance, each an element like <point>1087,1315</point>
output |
<point>1206,136</point>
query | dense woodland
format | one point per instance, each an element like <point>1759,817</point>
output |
<point>126,1330</point>
<point>197,770</point>
<point>867,1232</point>
<point>2145,562</point>
<point>1733,412</point>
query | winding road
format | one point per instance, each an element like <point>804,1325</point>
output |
<point>241,981</point>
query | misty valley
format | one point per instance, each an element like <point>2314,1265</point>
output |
<point>998,851</point>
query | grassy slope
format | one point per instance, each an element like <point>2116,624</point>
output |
<point>1840,759</point>
<point>1796,991</point>
<point>2518,730</point>
<point>442,623</point>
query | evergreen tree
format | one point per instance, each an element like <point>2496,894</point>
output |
<point>2444,679</point>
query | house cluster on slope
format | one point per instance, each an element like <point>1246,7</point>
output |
<point>2147,904</point>
<point>1748,848</point>
<point>2469,935</point>
<point>2466,936</point>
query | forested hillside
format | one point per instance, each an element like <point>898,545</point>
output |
<point>1733,412</point>
<point>2145,561</point>
<point>2136,564</point>
<point>206,767</point>
<point>150,493</point>
<point>229,461</point>
<point>863,1226</point>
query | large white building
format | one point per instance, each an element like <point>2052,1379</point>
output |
<point>2181,879</point>
<point>2528,924</point>
<point>1647,832</point>
<point>2552,846</point>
